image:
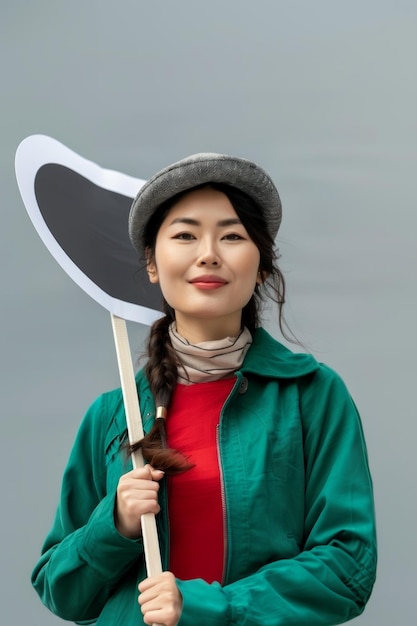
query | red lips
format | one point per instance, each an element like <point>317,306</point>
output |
<point>208,281</point>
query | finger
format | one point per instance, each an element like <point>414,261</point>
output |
<point>144,472</point>
<point>164,608</point>
<point>133,501</point>
<point>138,484</point>
<point>134,485</point>
<point>154,617</point>
<point>138,475</point>
<point>163,580</point>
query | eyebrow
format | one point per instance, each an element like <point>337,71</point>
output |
<point>232,221</point>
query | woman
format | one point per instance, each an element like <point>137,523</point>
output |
<point>256,463</point>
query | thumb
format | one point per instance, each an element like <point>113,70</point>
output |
<point>156,474</point>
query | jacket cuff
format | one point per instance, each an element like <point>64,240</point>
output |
<point>104,548</point>
<point>197,594</point>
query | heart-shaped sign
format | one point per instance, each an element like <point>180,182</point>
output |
<point>80,210</point>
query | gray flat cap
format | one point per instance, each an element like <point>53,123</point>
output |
<point>199,169</point>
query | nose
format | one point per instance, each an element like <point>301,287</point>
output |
<point>208,255</point>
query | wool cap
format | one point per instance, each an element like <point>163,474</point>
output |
<point>199,169</point>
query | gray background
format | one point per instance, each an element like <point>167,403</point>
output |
<point>323,95</point>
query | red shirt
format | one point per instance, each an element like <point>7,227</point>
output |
<point>195,497</point>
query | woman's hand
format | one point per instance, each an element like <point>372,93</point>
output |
<point>137,493</point>
<point>160,600</point>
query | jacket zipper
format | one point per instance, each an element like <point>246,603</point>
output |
<point>222,489</point>
<point>164,508</point>
<point>224,512</point>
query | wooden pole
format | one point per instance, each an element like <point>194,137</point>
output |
<point>135,433</point>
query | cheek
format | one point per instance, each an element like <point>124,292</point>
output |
<point>169,271</point>
<point>250,266</point>
<point>164,262</point>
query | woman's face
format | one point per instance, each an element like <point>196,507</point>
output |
<point>206,265</point>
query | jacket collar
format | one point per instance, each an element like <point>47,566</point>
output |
<point>268,357</point>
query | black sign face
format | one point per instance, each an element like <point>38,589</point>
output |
<point>81,213</point>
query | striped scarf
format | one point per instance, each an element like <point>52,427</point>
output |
<point>209,360</point>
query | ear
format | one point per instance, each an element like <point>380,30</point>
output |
<point>152,271</point>
<point>261,277</point>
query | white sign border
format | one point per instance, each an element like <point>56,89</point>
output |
<point>38,150</point>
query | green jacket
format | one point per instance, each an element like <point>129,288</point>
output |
<point>301,545</point>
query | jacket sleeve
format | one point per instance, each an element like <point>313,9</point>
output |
<point>330,580</point>
<point>84,556</point>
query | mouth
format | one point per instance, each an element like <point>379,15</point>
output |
<point>208,282</point>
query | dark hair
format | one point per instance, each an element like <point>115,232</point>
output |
<point>161,368</point>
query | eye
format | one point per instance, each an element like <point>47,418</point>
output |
<point>184,236</point>
<point>232,237</point>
